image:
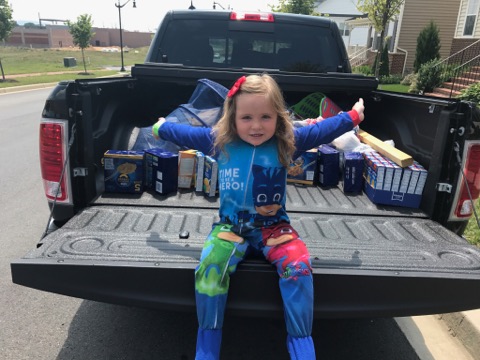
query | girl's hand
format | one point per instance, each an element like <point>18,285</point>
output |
<point>359,108</point>
<point>156,127</point>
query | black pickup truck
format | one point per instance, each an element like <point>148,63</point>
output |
<point>368,260</point>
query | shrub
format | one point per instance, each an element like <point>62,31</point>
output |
<point>428,77</point>
<point>384,62</point>
<point>428,45</point>
<point>363,69</point>
<point>390,79</point>
<point>472,93</point>
<point>409,79</point>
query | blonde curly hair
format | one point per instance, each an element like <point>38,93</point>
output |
<point>225,131</point>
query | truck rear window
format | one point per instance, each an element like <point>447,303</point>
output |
<point>218,43</point>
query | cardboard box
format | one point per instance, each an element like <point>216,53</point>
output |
<point>352,178</point>
<point>210,178</point>
<point>161,168</point>
<point>123,171</point>
<point>328,166</point>
<point>199,170</point>
<point>186,168</point>
<point>304,168</point>
<point>393,198</point>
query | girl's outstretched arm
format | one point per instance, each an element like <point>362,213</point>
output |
<point>192,137</point>
<point>325,131</point>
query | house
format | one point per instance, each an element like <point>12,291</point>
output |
<point>414,16</point>
<point>340,11</point>
<point>467,29</point>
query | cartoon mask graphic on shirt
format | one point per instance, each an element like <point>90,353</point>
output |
<point>268,189</point>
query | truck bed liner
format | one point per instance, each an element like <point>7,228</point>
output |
<point>363,258</point>
<point>300,198</point>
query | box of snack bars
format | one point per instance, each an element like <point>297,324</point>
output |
<point>328,166</point>
<point>123,171</point>
<point>375,169</point>
<point>161,169</point>
<point>304,168</point>
<point>404,185</point>
<point>186,168</point>
<point>210,178</point>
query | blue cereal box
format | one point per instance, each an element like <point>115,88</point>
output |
<point>303,169</point>
<point>210,178</point>
<point>161,170</point>
<point>328,166</point>
<point>123,171</point>
<point>352,178</point>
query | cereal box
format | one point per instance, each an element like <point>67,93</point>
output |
<point>210,178</point>
<point>161,168</point>
<point>199,170</point>
<point>303,169</point>
<point>123,171</point>
<point>186,168</point>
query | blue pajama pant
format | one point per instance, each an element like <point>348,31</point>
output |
<point>223,251</point>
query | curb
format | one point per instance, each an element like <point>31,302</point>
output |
<point>465,326</point>
<point>26,87</point>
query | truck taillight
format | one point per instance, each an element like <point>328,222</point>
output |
<point>53,152</point>
<point>242,16</point>
<point>471,175</point>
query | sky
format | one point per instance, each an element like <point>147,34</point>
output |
<point>145,17</point>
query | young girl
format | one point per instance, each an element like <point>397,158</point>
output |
<point>254,142</point>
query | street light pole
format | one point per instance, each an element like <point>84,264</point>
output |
<point>119,7</point>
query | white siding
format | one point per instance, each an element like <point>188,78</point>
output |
<point>417,14</point>
<point>337,7</point>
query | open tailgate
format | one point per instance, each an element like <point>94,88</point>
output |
<point>367,260</point>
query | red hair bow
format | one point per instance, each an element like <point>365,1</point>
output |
<point>236,86</point>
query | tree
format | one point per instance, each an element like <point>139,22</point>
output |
<point>305,7</point>
<point>428,45</point>
<point>380,12</point>
<point>384,67</point>
<point>81,32</point>
<point>6,25</point>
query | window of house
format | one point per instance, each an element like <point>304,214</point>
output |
<point>471,17</point>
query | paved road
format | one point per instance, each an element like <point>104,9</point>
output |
<point>38,325</point>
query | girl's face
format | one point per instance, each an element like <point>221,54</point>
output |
<point>255,118</point>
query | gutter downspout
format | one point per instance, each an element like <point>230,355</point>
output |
<point>404,61</point>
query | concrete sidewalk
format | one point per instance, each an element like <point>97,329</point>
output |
<point>465,326</point>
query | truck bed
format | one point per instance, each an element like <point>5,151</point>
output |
<point>367,260</point>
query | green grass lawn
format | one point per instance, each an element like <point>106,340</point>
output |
<point>18,61</point>
<point>27,61</point>
<point>472,232</point>
<point>394,87</point>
